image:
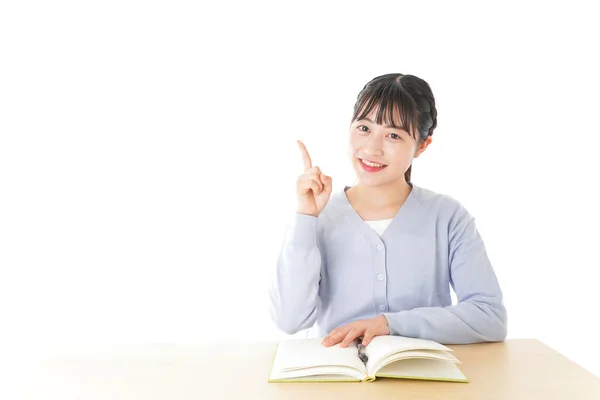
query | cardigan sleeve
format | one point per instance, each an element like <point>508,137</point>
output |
<point>479,315</point>
<point>294,291</point>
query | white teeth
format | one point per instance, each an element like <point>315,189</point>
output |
<point>370,164</point>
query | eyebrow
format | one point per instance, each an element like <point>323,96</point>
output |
<point>385,126</point>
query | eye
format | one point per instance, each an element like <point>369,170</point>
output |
<point>362,126</point>
<point>395,136</point>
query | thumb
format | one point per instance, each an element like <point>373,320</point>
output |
<point>327,183</point>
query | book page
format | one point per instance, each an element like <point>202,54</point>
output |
<point>417,368</point>
<point>386,345</point>
<point>328,374</point>
<point>297,354</point>
<point>374,366</point>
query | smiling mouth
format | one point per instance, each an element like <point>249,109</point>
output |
<point>371,166</point>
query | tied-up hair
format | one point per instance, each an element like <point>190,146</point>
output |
<point>403,101</point>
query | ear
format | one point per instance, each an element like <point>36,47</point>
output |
<point>422,146</point>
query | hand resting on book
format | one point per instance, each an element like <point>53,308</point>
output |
<point>368,328</point>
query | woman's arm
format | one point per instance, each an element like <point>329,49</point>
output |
<point>480,315</point>
<point>294,292</point>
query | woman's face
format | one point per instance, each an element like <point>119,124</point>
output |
<point>381,154</point>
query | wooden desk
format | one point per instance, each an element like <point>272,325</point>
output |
<point>516,369</point>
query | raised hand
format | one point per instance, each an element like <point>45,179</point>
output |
<point>313,187</point>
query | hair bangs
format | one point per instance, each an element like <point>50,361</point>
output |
<point>394,107</point>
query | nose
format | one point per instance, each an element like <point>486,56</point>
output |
<point>373,145</point>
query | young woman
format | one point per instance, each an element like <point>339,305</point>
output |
<point>378,258</point>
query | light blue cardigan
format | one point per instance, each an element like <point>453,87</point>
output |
<point>334,269</point>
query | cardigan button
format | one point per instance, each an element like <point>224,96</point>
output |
<point>379,247</point>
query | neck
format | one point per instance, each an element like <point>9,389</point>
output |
<point>381,196</point>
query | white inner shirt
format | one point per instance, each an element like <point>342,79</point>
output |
<point>380,225</point>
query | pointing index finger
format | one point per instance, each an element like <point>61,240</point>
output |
<point>305,156</point>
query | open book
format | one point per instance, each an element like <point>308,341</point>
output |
<point>390,356</point>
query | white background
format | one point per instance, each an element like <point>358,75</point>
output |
<point>148,157</point>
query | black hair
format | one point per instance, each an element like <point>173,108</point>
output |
<point>406,96</point>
